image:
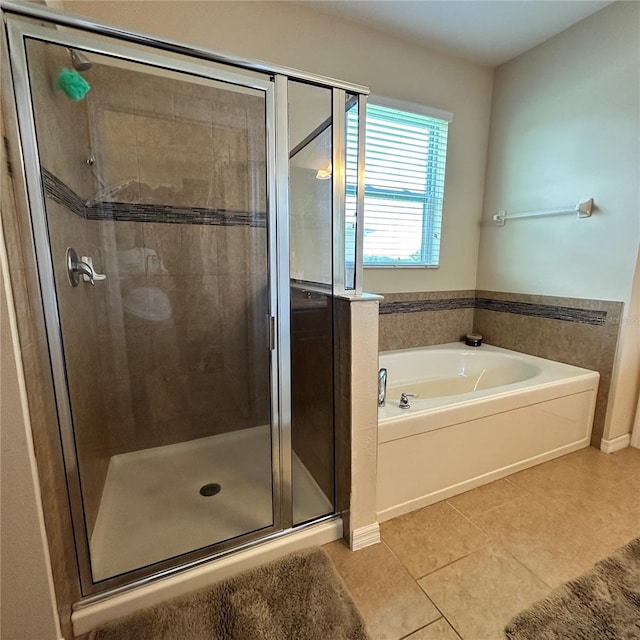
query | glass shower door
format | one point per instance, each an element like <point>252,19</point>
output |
<point>156,264</point>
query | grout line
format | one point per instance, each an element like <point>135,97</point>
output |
<point>444,566</point>
<point>535,575</point>
<point>426,626</point>
<point>415,581</point>
<point>421,628</point>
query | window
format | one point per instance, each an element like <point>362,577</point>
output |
<point>404,183</point>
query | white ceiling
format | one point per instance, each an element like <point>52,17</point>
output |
<point>487,32</point>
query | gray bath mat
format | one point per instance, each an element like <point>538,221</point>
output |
<point>299,597</point>
<point>603,604</point>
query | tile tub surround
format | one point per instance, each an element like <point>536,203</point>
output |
<point>575,331</point>
<point>481,557</point>
<point>424,319</point>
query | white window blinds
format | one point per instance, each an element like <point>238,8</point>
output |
<point>405,161</point>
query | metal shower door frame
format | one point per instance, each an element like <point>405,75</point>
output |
<point>278,256</point>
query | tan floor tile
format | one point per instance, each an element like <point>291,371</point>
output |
<point>438,630</point>
<point>430,538</point>
<point>629,488</point>
<point>586,499</point>
<point>545,476</point>
<point>477,501</point>
<point>482,592</point>
<point>389,600</point>
<point>621,529</point>
<point>589,504</point>
<point>553,546</point>
<point>608,467</point>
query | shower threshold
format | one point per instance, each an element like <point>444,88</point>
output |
<point>155,505</point>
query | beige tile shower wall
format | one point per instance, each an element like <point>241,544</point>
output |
<point>63,145</point>
<point>87,375</point>
<point>404,330</point>
<point>185,330</point>
<point>61,123</point>
<point>181,143</point>
<point>186,333</point>
<point>583,345</point>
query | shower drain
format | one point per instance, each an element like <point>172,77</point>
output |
<point>210,489</point>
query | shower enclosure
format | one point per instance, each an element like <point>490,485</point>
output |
<point>193,219</point>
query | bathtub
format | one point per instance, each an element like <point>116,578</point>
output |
<point>481,413</point>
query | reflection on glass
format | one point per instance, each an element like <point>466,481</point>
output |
<point>351,174</point>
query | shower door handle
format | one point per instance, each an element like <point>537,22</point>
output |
<point>82,267</point>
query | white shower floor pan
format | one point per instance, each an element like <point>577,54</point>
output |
<point>152,509</point>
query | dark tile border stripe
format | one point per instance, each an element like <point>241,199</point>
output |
<point>549,312</point>
<point>546,311</point>
<point>414,306</point>
<point>60,193</point>
<point>133,212</point>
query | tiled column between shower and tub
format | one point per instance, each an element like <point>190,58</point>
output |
<point>576,331</point>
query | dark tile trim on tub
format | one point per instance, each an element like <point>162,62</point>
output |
<point>546,311</point>
<point>414,306</point>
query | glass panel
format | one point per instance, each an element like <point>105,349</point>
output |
<point>310,206</point>
<point>351,193</point>
<point>158,179</point>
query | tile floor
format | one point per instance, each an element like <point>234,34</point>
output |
<point>464,567</point>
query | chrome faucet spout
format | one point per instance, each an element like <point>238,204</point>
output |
<point>382,387</point>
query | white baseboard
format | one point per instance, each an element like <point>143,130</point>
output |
<point>615,444</point>
<point>365,536</point>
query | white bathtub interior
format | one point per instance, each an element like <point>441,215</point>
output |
<point>469,371</point>
<point>152,509</point>
<point>473,433</point>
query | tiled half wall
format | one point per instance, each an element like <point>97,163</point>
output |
<point>577,331</point>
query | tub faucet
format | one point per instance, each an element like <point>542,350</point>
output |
<point>404,400</point>
<point>382,387</point>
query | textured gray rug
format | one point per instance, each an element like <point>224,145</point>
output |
<point>298,597</point>
<point>603,604</point>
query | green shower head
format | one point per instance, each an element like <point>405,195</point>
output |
<point>72,83</point>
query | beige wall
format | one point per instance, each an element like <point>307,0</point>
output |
<point>288,34</point>
<point>27,603</point>
<point>625,396</point>
<point>565,125</point>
